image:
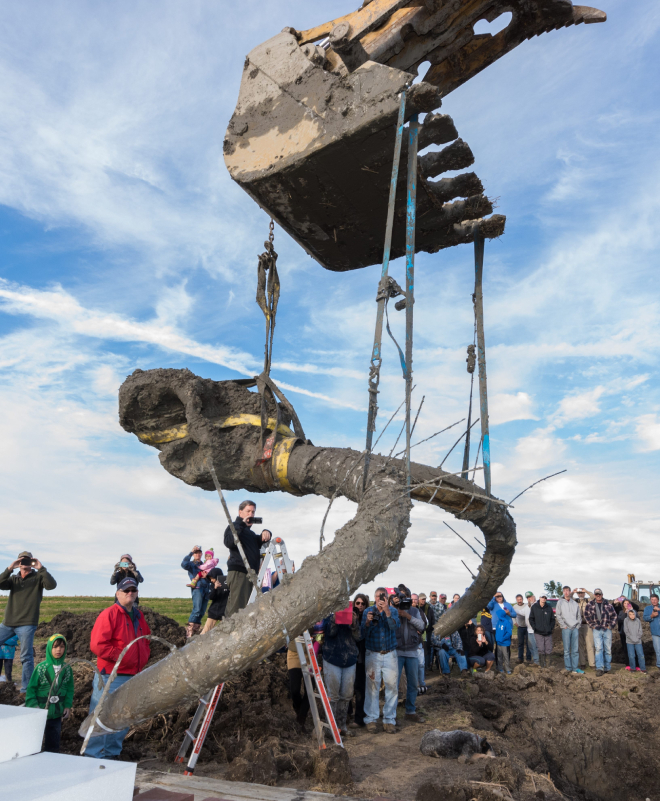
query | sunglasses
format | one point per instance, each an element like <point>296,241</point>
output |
<point>359,603</point>
<point>129,592</point>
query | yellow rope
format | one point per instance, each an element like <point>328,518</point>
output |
<point>181,431</point>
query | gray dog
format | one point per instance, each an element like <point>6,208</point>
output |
<point>452,744</point>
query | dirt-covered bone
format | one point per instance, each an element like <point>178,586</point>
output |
<point>194,421</point>
<point>312,135</point>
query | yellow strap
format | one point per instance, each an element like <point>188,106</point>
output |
<point>181,431</point>
<point>280,463</point>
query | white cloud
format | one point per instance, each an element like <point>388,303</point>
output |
<point>648,432</point>
<point>580,405</point>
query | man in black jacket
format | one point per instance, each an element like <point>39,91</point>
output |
<point>240,586</point>
<point>542,620</point>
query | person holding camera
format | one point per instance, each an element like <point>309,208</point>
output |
<point>26,590</point>
<point>240,586</point>
<point>379,625</point>
<point>408,640</point>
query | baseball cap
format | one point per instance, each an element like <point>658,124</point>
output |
<point>25,553</point>
<point>127,584</point>
<point>598,591</point>
<point>215,573</point>
<point>529,594</point>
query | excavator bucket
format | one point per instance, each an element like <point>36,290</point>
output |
<point>312,135</point>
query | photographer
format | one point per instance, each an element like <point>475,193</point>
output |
<point>240,586</point>
<point>26,590</point>
<point>378,627</point>
<point>408,639</point>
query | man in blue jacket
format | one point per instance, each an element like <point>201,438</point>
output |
<point>379,625</point>
<point>503,617</point>
<point>652,616</point>
<point>200,593</point>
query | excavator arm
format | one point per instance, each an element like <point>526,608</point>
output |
<point>312,135</point>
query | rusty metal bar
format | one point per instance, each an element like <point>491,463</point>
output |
<point>411,209</point>
<point>376,353</point>
<point>481,352</point>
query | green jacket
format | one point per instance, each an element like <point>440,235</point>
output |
<point>44,685</point>
<point>25,596</point>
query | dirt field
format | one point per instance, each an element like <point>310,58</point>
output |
<point>555,735</point>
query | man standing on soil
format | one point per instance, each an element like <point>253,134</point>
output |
<point>569,618</point>
<point>379,625</point>
<point>240,586</point>
<point>408,640</point>
<point>522,614</point>
<point>586,641</point>
<point>26,590</point>
<point>542,621</point>
<point>652,616</point>
<point>601,618</point>
<point>115,628</point>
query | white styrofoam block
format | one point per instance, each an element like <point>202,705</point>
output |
<point>62,777</point>
<point>21,731</point>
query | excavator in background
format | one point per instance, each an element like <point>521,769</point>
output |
<point>640,591</point>
<point>312,136</point>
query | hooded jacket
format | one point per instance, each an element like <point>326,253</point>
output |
<point>569,615</point>
<point>409,633</point>
<point>48,689</point>
<point>114,629</point>
<point>218,597</point>
<point>633,630</point>
<point>502,623</point>
<point>542,619</point>
<point>340,643</point>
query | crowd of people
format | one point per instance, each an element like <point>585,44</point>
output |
<point>390,643</point>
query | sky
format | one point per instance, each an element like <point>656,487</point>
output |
<point>124,244</point>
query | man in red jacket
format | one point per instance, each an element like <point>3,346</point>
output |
<point>115,628</point>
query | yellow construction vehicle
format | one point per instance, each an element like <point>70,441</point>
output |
<point>640,591</point>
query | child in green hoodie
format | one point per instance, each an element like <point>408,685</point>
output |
<point>51,688</point>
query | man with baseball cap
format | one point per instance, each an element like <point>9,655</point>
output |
<point>26,590</point>
<point>115,628</point>
<point>601,618</point>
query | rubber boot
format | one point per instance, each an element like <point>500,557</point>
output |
<point>542,660</point>
<point>340,718</point>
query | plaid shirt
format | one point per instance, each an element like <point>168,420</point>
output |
<point>609,618</point>
<point>381,634</point>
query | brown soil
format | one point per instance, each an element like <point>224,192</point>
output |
<point>554,735</point>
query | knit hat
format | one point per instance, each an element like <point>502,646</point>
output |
<point>209,552</point>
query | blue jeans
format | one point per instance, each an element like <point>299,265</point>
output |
<point>411,664</point>
<point>638,651</point>
<point>481,660</point>
<point>106,745</point>
<point>422,663</point>
<point>523,639</point>
<point>444,659</point>
<point>200,598</point>
<point>533,647</point>
<point>339,682</point>
<point>656,648</point>
<point>385,667</point>
<point>603,644</point>
<point>26,637</point>
<point>571,640</point>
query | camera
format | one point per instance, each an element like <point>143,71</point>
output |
<point>404,602</point>
<point>257,520</point>
<point>27,562</point>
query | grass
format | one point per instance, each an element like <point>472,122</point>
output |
<point>177,608</point>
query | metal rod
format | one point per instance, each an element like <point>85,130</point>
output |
<point>481,353</point>
<point>376,353</point>
<point>462,538</point>
<point>468,570</point>
<point>411,208</point>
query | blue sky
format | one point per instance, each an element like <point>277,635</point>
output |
<point>125,244</point>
